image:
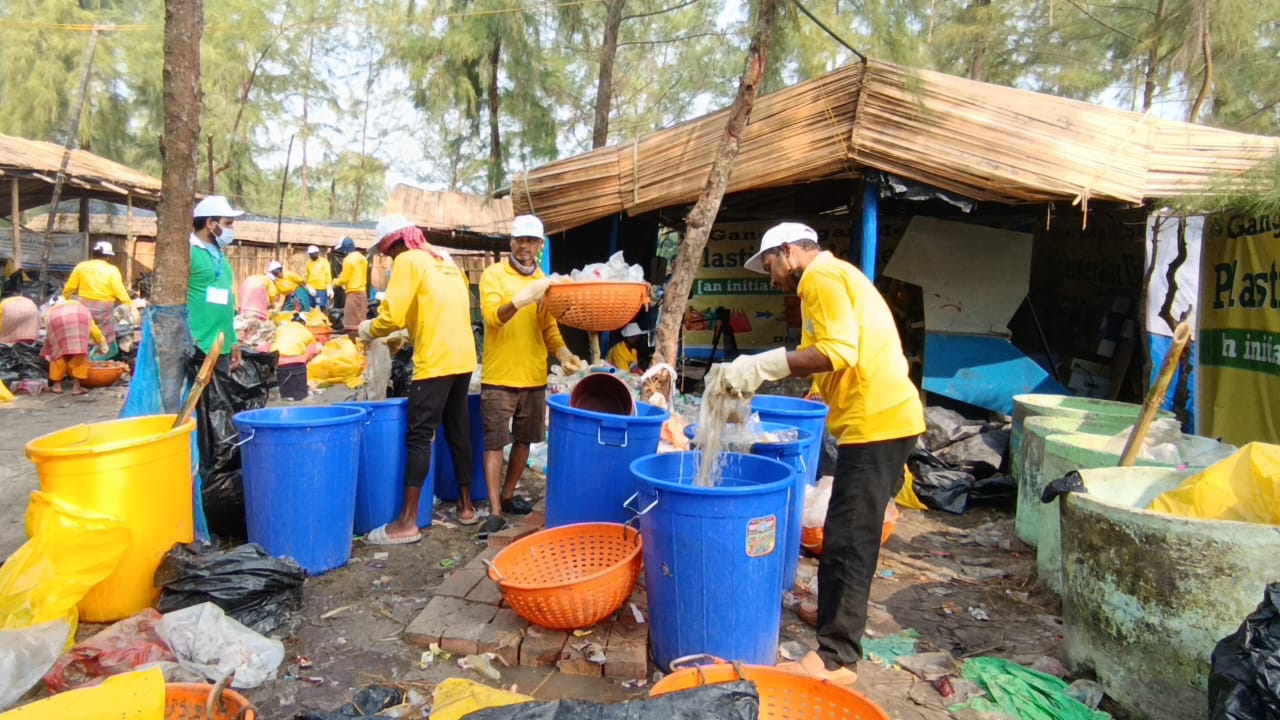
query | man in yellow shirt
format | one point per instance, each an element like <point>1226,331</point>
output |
<point>428,295</point>
<point>319,278</point>
<point>97,284</point>
<point>850,344</point>
<point>290,292</point>
<point>623,355</point>
<point>517,338</point>
<point>355,280</point>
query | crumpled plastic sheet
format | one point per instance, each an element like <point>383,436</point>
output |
<point>206,641</point>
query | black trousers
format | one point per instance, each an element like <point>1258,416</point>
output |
<point>866,478</point>
<point>432,402</point>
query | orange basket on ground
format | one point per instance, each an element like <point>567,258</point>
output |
<point>783,695</point>
<point>104,374</point>
<point>201,701</point>
<point>811,538</point>
<point>596,306</point>
<point>571,576</point>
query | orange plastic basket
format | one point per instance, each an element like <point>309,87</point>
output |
<point>783,695</point>
<point>201,701</point>
<point>596,306</point>
<point>571,576</point>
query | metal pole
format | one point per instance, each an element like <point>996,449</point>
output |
<point>284,183</point>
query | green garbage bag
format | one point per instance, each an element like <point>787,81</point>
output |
<point>1022,693</point>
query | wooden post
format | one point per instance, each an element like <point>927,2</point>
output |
<point>15,214</point>
<point>130,242</point>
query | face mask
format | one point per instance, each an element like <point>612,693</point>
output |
<point>227,237</point>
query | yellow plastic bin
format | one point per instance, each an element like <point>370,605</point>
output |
<point>137,470</point>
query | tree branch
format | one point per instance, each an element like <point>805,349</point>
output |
<point>691,36</point>
<point>673,8</point>
<point>1098,20</point>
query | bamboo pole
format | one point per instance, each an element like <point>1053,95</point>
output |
<point>15,214</point>
<point>1156,395</point>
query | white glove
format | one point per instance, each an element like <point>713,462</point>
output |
<point>365,332</point>
<point>330,292</point>
<point>532,293</point>
<point>310,290</point>
<point>746,373</point>
<point>102,349</point>
<point>569,362</point>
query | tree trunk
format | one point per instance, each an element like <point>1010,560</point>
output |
<point>1153,58</point>
<point>604,84</point>
<point>1206,83</point>
<point>978,65</point>
<point>306,98</point>
<point>703,215</point>
<point>495,139</point>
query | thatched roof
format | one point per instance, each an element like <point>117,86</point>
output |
<point>983,141</point>
<point>248,230</point>
<point>34,164</point>
<point>443,211</point>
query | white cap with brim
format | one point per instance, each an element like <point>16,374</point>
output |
<point>215,206</point>
<point>776,236</point>
<point>313,250</point>
<point>527,226</point>
<point>631,330</point>
<point>104,247</point>
<point>274,265</point>
<point>390,224</point>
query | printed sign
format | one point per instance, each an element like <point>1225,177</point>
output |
<point>68,249</point>
<point>1239,329</point>
<point>759,316</point>
<point>762,536</point>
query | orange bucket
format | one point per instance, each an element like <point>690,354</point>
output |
<point>811,537</point>
<point>201,701</point>
<point>783,695</point>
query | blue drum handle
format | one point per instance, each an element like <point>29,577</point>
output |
<point>612,425</point>
<point>252,434</point>
<point>636,515</point>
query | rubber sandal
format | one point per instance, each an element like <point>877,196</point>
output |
<point>492,524</point>
<point>517,506</point>
<point>379,536</point>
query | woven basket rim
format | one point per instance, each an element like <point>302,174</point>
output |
<point>630,557</point>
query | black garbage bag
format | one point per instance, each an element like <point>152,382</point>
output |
<point>229,392</point>
<point>944,427</point>
<point>22,362</point>
<point>261,592</point>
<point>946,487</point>
<point>367,703</point>
<point>401,372</point>
<point>981,454</point>
<point>1244,679</point>
<point>726,701</point>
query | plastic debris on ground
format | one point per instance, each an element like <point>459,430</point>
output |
<point>132,696</point>
<point>1244,487</point>
<point>22,362</point>
<point>122,647</point>
<point>260,591</point>
<point>1244,680</point>
<point>1022,693</point>
<point>206,641</point>
<point>481,664</point>
<point>456,698</point>
<point>25,655</point>
<point>886,650</point>
<point>370,701</point>
<point>725,701</point>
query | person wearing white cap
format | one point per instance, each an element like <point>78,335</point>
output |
<point>319,277</point>
<point>211,304</point>
<point>97,284</point>
<point>849,343</point>
<point>623,354</point>
<point>518,336</point>
<point>258,293</point>
<point>429,296</point>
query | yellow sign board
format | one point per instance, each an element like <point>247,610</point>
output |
<point>759,316</point>
<point>1239,330</point>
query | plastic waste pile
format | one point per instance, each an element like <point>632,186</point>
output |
<point>615,270</point>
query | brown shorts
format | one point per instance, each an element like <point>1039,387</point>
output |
<point>512,415</point>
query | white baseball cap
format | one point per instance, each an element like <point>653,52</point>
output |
<point>274,265</point>
<point>215,206</point>
<point>778,235</point>
<point>104,247</point>
<point>390,224</point>
<point>312,250</point>
<point>631,330</point>
<point>527,226</point>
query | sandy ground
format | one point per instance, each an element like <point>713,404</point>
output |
<point>933,571</point>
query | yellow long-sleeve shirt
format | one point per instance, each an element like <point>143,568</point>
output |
<point>355,273</point>
<point>870,395</point>
<point>287,284</point>
<point>96,280</point>
<point>428,294</point>
<point>319,276</point>
<point>515,352</point>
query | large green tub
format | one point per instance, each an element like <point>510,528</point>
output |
<point>1065,406</point>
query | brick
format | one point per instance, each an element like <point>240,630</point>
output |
<point>460,582</point>
<point>537,519</point>
<point>510,535</point>
<point>542,647</point>
<point>504,636</point>
<point>478,560</point>
<point>627,647</point>
<point>462,637</point>
<point>574,662</point>
<point>486,592</point>
<point>431,623</point>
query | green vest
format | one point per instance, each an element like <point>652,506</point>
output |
<point>207,319</point>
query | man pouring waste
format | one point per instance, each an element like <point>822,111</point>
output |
<point>850,345</point>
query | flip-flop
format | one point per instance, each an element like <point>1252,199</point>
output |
<point>379,536</point>
<point>463,521</point>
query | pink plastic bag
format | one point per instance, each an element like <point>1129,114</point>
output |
<point>120,648</point>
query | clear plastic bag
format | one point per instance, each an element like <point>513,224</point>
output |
<point>206,641</point>
<point>25,656</point>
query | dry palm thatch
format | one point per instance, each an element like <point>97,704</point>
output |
<point>35,164</point>
<point>452,210</point>
<point>571,192</point>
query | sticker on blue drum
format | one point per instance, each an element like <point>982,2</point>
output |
<point>762,536</point>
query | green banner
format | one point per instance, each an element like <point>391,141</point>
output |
<point>1251,350</point>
